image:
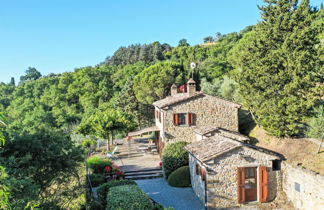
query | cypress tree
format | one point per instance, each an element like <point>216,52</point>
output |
<point>280,66</point>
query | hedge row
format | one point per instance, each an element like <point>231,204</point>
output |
<point>129,197</point>
<point>103,190</point>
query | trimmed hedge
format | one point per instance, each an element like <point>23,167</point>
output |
<point>129,197</point>
<point>98,164</point>
<point>103,189</point>
<point>174,156</point>
<point>96,179</point>
<point>180,177</point>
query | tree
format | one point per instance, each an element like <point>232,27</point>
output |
<point>12,82</point>
<point>208,39</point>
<point>31,74</point>
<point>183,43</point>
<point>155,81</point>
<point>280,65</point>
<point>316,125</point>
<point>104,124</point>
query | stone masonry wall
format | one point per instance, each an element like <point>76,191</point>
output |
<point>197,184</point>
<point>207,110</point>
<point>222,189</point>
<point>304,188</point>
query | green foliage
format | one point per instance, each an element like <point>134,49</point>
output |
<point>279,66</point>
<point>128,197</point>
<point>154,82</point>
<point>98,164</point>
<point>183,43</point>
<point>174,156</point>
<point>316,123</point>
<point>87,143</point>
<point>97,179</point>
<point>103,189</point>
<point>180,177</point>
<point>31,74</point>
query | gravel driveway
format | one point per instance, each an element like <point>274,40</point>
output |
<point>178,198</point>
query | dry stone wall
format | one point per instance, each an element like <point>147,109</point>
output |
<point>207,110</point>
<point>197,184</point>
<point>304,188</point>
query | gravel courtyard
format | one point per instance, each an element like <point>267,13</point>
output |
<point>178,198</point>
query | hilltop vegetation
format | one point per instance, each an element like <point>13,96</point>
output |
<point>275,69</point>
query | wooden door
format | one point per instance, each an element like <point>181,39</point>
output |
<point>247,184</point>
<point>263,182</point>
<point>250,184</point>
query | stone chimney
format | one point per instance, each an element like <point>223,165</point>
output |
<point>191,87</point>
<point>174,90</point>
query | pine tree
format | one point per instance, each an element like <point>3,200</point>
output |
<point>280,66</point>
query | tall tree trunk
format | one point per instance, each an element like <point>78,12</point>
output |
<point>108,145</point>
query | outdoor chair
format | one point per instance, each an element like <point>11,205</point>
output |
<point>111,154</point>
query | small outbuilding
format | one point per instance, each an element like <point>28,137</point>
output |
<point>227,172</point>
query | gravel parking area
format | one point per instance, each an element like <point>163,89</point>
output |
<point>178,198</point>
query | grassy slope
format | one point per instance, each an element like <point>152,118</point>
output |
<point>296,151</point>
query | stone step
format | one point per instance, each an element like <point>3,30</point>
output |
<point>144,174</point>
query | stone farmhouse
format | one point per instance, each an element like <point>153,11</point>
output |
<point>225,170</point>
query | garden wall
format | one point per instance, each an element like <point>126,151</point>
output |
<point>304,188</point>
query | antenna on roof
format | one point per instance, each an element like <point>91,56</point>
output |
<point>192,66</point>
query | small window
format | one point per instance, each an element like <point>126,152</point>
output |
<point>182,118</point>
<point>276,165</point>
<point>297,187</point>
<point>249,173</point>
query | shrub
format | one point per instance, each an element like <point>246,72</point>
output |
<point>96,179</point>
<point>180,177</point>
<point>103,189</point>
<point>87,143</point>
<point>128,197</point>
<point>174,156</point>
<point>98,164</point>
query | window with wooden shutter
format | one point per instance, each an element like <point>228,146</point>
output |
<point>263,182</point>
<point>156,114</point>
<point>240,185</point>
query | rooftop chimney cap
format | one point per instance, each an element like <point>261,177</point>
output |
<point>191,81</point>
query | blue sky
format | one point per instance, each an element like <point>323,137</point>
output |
<point>58,35</point>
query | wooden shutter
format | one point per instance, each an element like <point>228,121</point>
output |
<point>240,185</point>
<point>156,114</point>
<point>203,173</point>
<point>189,117</point>
<point>263,182</point>
<point>175,119</point>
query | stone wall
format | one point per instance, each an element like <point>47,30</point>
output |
<point>304,188</point>
<point>197,184</point>
<point>222,189</point>
<point>207,110</point>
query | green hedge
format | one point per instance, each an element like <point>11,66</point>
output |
<point>103,190</point>
<point>180,177</point>
<point>174,156</point>
<point>98,164</point>
<point>96,179</point>
<point>129,197</point>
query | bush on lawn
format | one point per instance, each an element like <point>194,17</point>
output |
<point>103,189</point>
<point>128,197</point>
<point>174,156</point>
<point>180,177</point>
<point>96,179</point>
<point>98,164</point>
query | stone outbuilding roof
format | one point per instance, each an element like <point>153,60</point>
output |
<point>208,149</point>
<point>180,97</point>
<point>204,131</point>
